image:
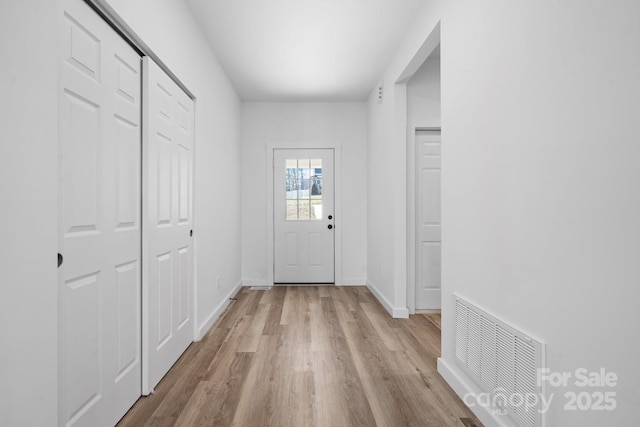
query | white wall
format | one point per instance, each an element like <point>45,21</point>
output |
<point>381,201</point>
<point>300,124</point>
<point>173,34</point>
<point>423,95</point>
<point>540,102</point>
<point>28,206</point>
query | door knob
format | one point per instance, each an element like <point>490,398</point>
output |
<point>329,226</point>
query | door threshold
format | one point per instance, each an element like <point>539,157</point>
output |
<point>304,284</point>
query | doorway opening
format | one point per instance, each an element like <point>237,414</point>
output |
<point>424,155</point>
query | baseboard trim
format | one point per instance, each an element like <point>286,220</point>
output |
<point>352,282</point>
<point>255,282</point>
<point>395,312</point>
<point>400,313</point>
<point>463,386</point>
<point>218,311</point>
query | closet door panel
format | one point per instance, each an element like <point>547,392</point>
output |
<point>167,243</point>
<point>99,220</point>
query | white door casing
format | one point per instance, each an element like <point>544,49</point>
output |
<point>429,241</point>
<point>168,141</point>
<point>304,216</point>
<point>99,221</point>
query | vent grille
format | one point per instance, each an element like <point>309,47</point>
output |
<point>502,360</point>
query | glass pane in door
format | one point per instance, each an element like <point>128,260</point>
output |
<point>303,189</point>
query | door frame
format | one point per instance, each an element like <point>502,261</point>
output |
<point>337,196</point>
<point>412,213</point>
<point>412,207</point>
<point>405,130</point>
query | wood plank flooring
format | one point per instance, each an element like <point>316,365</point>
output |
<point>307,356</point>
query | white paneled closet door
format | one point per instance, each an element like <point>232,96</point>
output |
<point>99,221</point>
<point>168,139</point>
<point>429,235</point>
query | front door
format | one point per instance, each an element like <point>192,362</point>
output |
<point>303,216</point>
<point>99,221</point>
<point>428,220</point>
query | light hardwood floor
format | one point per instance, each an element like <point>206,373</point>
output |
<point>307,356</point>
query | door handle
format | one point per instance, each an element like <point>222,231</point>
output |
<point>60,259</point>
<point>329,226</point>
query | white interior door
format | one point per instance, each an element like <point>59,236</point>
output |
<point>428,242</point>
<point>303,216</point>
<point>99,221</point>
<point>167,244</point>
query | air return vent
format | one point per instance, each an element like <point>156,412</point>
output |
<point>502,360</point>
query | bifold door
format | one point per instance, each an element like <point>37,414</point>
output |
<point>99,221</point>
<point>167,206</point>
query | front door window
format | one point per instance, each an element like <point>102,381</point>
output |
<point>303,186</point>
